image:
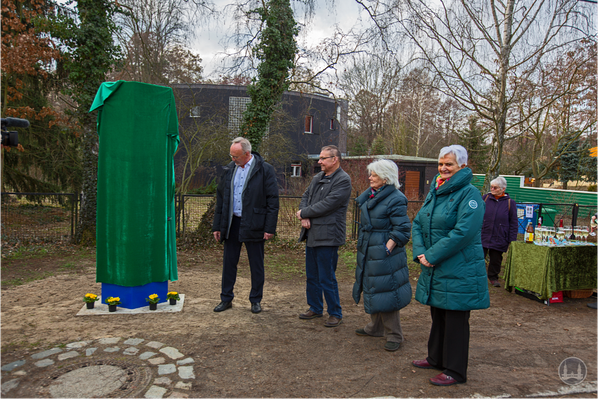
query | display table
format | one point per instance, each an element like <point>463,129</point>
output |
<point>545,270</point>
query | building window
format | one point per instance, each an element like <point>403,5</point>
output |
<point>296,170</point>
<point>331,123</point>
<point>309,124</point>
<point>194,112</point>
<point>236,107</point>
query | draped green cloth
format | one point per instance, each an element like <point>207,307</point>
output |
<point>545,270</point>
<point>135,224</point>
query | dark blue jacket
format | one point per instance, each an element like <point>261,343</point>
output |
<point>447,230</point>
<point>383,278</point>
<point>260,202</point>
<point>500,222</point>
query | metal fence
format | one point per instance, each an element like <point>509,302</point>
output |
<point>51,217</point>
<point>38,217</point>
<point>193,207</point>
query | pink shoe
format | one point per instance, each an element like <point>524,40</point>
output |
<point>444,380</point>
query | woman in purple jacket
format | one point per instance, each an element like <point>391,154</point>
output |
<point>499,227</point>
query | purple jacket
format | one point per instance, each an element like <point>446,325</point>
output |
<point>500,223</point>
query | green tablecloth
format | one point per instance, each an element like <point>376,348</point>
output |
<point>545,270</point>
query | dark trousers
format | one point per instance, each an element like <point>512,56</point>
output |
<point>494,263</point>
<point>448,345</point>
<point>232,253</point>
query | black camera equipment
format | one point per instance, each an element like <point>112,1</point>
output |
<point>11,139</point>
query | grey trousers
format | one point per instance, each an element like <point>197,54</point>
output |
<point>386,324</point>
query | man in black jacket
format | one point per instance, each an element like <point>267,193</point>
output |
<point>246,212</point>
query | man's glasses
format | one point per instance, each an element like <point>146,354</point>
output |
<point>323,158</point>
<point>495,187</point>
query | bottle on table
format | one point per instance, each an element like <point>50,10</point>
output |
<point>529,233</point>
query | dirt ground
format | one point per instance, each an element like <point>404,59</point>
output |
<point>516,345</point>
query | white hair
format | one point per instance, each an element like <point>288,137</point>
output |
<point>387,171</point>
<point>457,150</point>
<point>500,181</point>
<point>245,144</point>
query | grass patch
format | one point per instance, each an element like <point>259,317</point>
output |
<point>69,266</point>
<point>27,252</point>
<point>27,279</point>
<point>280,266</point>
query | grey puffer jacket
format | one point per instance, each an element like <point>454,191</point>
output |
<point>383,278</point>
<point>325,203</point>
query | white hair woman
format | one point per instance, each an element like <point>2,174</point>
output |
<point>447,244</point>
<point>382,274</point>
<point>500,226</point>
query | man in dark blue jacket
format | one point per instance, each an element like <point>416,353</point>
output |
<point>500,226</point>
<point>246,212</point>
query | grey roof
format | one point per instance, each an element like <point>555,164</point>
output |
<point>394,157</point>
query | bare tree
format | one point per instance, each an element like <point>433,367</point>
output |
<point>154,35</point>
<point>480,49</point>
<point>558,108</point>
<point>370,85</point>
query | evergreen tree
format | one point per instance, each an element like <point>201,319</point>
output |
<point>569,162</point>
<point>472,138</point>
<point>379,146</point>
<point>587,164</point>
<point>93,55</point>
<point>47,159</point>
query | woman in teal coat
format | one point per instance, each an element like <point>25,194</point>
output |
<point>447,243</point>
<point>382,274</point>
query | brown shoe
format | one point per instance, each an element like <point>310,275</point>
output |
<point>309,315</point>
<point>333,322</point>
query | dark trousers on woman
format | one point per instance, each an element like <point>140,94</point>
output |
<point>232,253</point>
<point>448,345</point>
<point>494,263</point>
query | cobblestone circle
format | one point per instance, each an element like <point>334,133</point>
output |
<point>105,367</point>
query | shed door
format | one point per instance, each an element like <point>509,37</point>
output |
<point>412,184</point>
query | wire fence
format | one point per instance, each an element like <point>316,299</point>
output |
<point>38,217</point>
<point>52,217</point>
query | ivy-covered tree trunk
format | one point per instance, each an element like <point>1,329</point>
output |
<point>87,220</point>
<point>276,51</point>
<point>94,55</point>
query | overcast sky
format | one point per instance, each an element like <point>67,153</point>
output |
<point>210,39</point>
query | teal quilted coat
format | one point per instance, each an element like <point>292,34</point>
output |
<point>383,279</point>
<point>447,230</point>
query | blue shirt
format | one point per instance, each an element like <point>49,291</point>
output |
<point>241,174</point>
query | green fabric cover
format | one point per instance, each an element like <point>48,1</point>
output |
<point>545,270</point>
<point>135,231</point>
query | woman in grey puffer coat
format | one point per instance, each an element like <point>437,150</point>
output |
<point>382,274</point>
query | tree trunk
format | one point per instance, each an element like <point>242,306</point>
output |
<point>86,231</point>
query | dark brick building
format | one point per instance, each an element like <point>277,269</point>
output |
<point>309,121</point>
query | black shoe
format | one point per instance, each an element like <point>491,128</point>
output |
<point>392,346</point>
<point>222,306</point>
<point>256,307</point>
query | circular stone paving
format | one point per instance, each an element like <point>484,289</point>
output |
<point>94,381</point>
<point>110,367</point>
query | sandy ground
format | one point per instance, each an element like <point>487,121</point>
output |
<point>516,345</point>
